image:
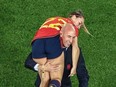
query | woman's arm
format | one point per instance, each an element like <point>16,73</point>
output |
<point>75,56</point>
<point>75,52</point>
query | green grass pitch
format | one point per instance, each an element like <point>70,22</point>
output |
<point>19,20</point>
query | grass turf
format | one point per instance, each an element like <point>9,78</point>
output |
<point>19,19</point>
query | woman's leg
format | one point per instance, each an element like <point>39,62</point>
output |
<point>44,79</point>
<point>56,76</point>
<point>44,76</point>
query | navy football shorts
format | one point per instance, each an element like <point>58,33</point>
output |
<point>47,47</point>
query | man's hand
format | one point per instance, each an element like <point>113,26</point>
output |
<point>73,72</point>
<point>49,67</point>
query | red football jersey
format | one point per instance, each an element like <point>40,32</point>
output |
<point>52,26</point>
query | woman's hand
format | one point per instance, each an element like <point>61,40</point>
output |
<point>73,72</point>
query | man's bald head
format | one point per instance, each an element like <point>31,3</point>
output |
<point>68,27</point>
<point>67,34</point>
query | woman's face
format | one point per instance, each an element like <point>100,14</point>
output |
<point>77,21</point>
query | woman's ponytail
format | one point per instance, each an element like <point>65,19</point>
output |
<point>86,30</point>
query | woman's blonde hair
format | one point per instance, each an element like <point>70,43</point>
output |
<point>79,13</point>
<point>86,30</point>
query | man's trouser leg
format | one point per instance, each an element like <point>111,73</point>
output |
<point>82,72</point>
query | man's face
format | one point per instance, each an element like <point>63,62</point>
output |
<point>68,37</point>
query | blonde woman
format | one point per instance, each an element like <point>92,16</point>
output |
<point>49,41</point>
